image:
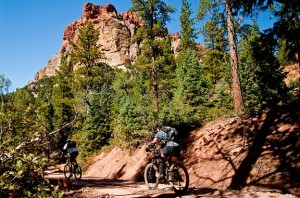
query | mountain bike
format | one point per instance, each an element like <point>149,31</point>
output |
<point>176,173</point>
<point>76,169</point>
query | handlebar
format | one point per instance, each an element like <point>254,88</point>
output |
<point>156,152</point>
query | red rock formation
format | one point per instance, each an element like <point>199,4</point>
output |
<point>131,18</point>
<point>115,33</point>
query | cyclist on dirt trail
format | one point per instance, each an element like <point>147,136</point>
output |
<point>70,147</point>
<point>167,143</point>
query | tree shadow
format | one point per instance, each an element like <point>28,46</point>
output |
<point>277,135</point>
<point>267,154</point>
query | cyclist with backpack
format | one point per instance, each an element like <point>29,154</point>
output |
<point>70,147</point>
<point>166,138</point>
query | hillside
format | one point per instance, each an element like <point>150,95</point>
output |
<point>254,153</point>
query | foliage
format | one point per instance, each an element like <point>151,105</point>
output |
<point>284,55</point>
<point>151,36</point>
<point>262,78</point>
<point>227,12</point>
<point>216,62</point>
<point>86,56</point>
<point>63,104</point>
<point>96,131</point>
<point>22,176</point>
<point>191,97</point>
<point>132,112</point>
<point>5,83</point>
<point>129,125</point>
<point>188,32</point>
<point>286,28</point>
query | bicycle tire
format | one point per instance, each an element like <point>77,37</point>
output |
<point>151,183</point>
<point>180,182</point>
<point>67,171</point>
<point>77,172</point>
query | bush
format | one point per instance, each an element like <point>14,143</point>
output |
<point>22,176</point>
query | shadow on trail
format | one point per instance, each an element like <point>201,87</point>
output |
<point>132,186</point>
<point>107,183</point>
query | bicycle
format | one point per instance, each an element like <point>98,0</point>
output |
<point>176,173</point>
<point>76,170</point>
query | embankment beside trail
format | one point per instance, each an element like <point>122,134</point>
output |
<point>260,152</point>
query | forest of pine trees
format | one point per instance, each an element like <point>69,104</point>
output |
<point>238,71</point>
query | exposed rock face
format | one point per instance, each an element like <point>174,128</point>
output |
<point>49,70</point>
<point>116,31</point>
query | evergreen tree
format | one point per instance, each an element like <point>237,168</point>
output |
<point>188,32</point>
<point>215,59</point>
<point>96,131</point>
<point>205,7</point>
<point>93,84</point>
<point>155,13</point>
<point>252,97</point>
<point>86,56</point>
<point>5,83</point>
<point>63,103</point>
<point>132,109</point>
<point>190,102</point>
<point>287,26</point>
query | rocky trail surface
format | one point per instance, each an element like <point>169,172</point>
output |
<point>96,187</point>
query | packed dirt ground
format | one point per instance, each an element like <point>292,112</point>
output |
<point>229,157</point>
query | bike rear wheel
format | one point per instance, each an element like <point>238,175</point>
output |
<point>150,173</point>
<point>77,172</point>
<point>179,180</point>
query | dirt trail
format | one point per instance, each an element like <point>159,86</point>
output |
<point>95,187</point>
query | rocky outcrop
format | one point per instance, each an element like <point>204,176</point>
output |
<point>49,70</point>
<point>116,31</point>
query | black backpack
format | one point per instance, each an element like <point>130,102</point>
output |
<point>172,133</point>
<point>72,144</point>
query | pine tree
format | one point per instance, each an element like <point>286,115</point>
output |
<point>86,56</point>
<point>5,83</point>
<point>188,31</point>
<point>155,13</point>
<point>63,102</point>
<point>287,26</point>
<point>207,6</point>
<point>190,102</point>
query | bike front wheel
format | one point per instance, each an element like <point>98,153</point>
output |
<point>179,180</point>
<point>67,171</point>
<point>150,173</point>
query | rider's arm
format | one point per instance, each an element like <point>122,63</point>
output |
<point>154,140</point>
<point>64,149</point>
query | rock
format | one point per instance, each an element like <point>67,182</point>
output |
<point>116,31</point>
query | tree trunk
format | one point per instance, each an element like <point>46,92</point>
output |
<point>155,88</point>
<point>235,77</point>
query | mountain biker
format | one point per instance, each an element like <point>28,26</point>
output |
<point>168,147</point>
<point>70,147</point>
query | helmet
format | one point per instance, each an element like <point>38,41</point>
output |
<point>159,125</point>
<point>68,140</point>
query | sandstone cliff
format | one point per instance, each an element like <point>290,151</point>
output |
<point>116,31</point>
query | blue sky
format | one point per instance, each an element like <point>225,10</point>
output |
<point>31,32</point>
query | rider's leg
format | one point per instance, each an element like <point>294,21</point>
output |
<point>72,158</point>
<point>161,167</point>
<point>75,155</point>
